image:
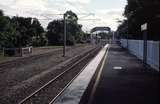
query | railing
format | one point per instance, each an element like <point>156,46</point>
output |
<point>136,48</point>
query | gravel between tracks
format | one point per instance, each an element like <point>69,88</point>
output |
<point>28,75</point>
<point>47,94</point>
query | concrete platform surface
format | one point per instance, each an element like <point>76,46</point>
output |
<point>123,80</point>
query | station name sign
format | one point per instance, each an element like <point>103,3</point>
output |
<point>144,27</point>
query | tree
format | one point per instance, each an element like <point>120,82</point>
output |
<point>23,35</point>
<point>55,30</point>
<point>74,30</point>
<point>72,17</point>
<point>29,32</point>
<point>139,12</point>
<point>7,32</point>
<point>20,32</point>
<point>105,35</point>
<point>1,13</point>
<point>38,36</point>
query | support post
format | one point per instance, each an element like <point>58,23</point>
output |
<point>64,37</point>
<point>145,47</point>
<point>144,30</point>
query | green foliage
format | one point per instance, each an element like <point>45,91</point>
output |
<point>137,13</point>
<point>20,32</point>
<point>72,17</point>
<point>7,32</point>
<point>105,35</point>
<point>39,40</point>
<point>38,36</point>
<point>55,30</point>
<point>26,31</point>
<point>1,13</point>
<point>23,26</point>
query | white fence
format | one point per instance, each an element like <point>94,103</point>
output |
<point>17,51</point>
<point>136,48</point>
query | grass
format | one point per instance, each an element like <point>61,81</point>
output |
<point>3,57</point>
<point>47,47</point>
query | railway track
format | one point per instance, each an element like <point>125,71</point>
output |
<point>47,93</point>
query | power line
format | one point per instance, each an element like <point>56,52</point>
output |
<point>78,8</point>
<point>96,19</point>
<point>72,5</point>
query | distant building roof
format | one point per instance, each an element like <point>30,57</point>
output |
<point>100,29</point>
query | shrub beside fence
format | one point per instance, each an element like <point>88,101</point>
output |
<point>136,48</point>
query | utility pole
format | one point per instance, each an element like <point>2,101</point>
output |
<point>64,37</point>
<point>127,33</point>
<point>65,27</point>
<point>65,33</point>
<point>19,37</point>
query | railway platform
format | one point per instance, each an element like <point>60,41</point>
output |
<point>118,78</point>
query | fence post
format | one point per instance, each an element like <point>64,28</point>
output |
<point>3,52</point>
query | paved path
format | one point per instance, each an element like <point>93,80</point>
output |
<point>133,84</point>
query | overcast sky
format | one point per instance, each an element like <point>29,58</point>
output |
<point>106,11</point>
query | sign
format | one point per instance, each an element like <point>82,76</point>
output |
<point>144,27</point>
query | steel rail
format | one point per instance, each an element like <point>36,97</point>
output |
<point>55,78</point>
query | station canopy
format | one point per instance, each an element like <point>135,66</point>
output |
<point>100,29</point>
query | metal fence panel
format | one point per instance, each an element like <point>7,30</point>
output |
<point>136,47</point>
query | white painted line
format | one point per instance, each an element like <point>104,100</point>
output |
<point>117,68</point>
<point>75,90</point>
<point>97,80</point>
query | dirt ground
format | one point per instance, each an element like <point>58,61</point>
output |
<point>35,51</point>
<point>14,75</point>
